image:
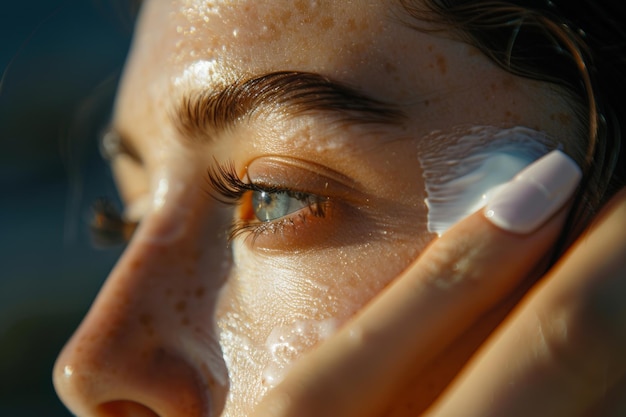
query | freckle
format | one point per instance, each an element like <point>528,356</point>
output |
<point>426,103</point>
<point>146,322</point>
<point>512,116</point>
<point>180,306</point>
<point>135,264</point>
<point>121,297</point>
<point>351,25</point>
<point>508,83</point>
<point>327,23</point>
<point>185,321</point>
<point>145,319</point>
<point>389,67</point>
<point>189,271</point>
<point>430,48</point>
<point>169,292</point>
<point>273,29</point>
<point>195,255</point>
<point>200,292</point>
<point>301,5</point>
<point>442,64</point>
<point>286,16</point>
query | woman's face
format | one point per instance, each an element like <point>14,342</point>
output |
<point>193,319</point>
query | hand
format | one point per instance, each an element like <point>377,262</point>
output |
<point>398,354</point>
<point>563,351</point>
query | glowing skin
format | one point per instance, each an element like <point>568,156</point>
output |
<point>462,168</point>
<point>186,324</point>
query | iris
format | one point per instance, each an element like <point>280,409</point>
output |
<point>268,206</point>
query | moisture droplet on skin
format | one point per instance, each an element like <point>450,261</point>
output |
<point>462,168</point>
<point>286,343</point>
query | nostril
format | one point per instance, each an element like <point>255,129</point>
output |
<point>124,409</point>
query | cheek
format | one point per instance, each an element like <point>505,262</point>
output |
<point>274,308</point>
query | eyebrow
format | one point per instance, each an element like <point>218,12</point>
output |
<point>202,114</point>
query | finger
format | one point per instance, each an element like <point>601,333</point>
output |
<point>566,346</point>
<point>456,280</point>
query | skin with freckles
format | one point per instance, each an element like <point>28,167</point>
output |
<point>192,324</point>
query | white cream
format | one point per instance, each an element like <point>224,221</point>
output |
<point>286,343</point>
<point>461,168</point>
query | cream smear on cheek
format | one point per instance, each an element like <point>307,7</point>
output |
<point>289,332</point>
<point>276,310</point>
<point>462,168</point>
<point>287,343</point>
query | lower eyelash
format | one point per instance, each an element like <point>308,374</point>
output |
<point>108,227</point>
<point>252,230</point>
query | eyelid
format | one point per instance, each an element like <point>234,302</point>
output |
<point>303,176</point>
<point>113,143</point>
<point>309,227</point>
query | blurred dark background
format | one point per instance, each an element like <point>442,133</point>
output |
<point>59,62</point>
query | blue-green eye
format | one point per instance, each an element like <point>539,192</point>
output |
<point>264,209</point>
<point>268,206</point>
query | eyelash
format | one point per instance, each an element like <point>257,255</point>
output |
<point>108,227</point>
<point>231,190</point>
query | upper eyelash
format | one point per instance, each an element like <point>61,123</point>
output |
<point>224,180</point>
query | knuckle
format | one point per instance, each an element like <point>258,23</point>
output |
<point>587,338</point>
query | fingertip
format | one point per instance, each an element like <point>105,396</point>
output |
<point>535,194</point>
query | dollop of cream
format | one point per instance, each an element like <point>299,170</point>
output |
<point>462,167</point>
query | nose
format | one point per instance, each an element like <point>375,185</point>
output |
<point>147,347</point>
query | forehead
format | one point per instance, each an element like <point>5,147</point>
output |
<point>277,25</point>
<point>262,34</point>
<point>198,44</point>
<point>182,46</point>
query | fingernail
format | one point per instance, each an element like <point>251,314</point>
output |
<point>535,194</point>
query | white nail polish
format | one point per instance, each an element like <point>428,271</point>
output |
<point>535,194</point>
<point>462,168</point>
